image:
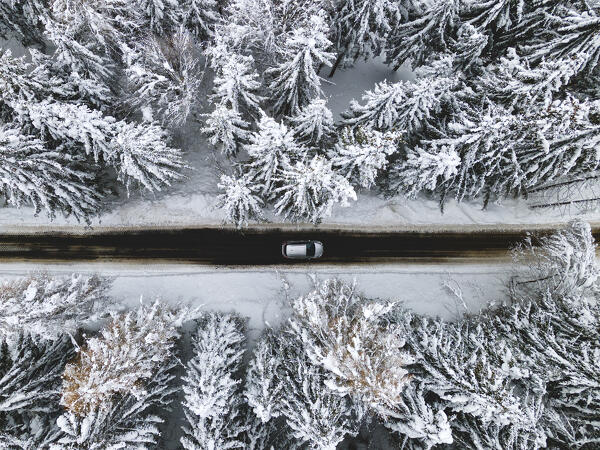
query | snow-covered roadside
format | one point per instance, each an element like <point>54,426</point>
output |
<point>260,293</point>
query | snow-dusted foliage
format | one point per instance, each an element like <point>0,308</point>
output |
<point>50,306</point>
<point>201,16</point>
<point>295,80</point>
<point>263,387</point>
<point>272,148</point>
<point>308,192</point>
<point>129,350</point>
<point>23,19</point>
<point>226,129</point>
<point>240,200</point>
<point>41,106</point>
<point>352,340</point>
<point>314,125</point>
<point>120,380</point>
<point>362,25</point>
<point>213,396</point>
<point>236,83</point>
<point>316,416</point>
<point>166,77</point>
<point>163,15</point>
<point>50,181</point>
<point>516,101</point>
<point>30,379</point>
<point>361,154</point>
<point>406,105</point>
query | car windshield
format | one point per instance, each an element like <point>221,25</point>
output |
<point>310,249</point>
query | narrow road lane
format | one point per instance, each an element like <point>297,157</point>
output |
<point>255,247</point>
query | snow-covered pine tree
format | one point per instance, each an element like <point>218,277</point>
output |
<point>121,381</point>
<point>353,341</point>
<point>429,29</point>
<point>263,387</point>
<point>240,199</point>
<point>30,379</point>
<point>423,423</point>
<point>272,148</point>
<point>51,181</point>
<point>407,106</point>
<point>427,170</point>
<point>308,192</point>
<point>226,129</point>
<point>362,25</point>
<point>236,84</point>
<point>361,154</point>
<point>570,32</point>
<point>163,16</point>
<point>295,82</point>
<point>201,17</point>
<point>50,306</point>
<point>213,396</point>
<point>314,125</point>
<point>166,78</point>
<point>126,421</point>
<point>316,416</point>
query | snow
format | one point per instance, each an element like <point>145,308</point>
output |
<point>261,293</point>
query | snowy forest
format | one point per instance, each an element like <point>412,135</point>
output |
<point>503,101</point>
<point>342,370</point>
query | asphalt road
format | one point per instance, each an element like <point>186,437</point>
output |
<point>216,246</point>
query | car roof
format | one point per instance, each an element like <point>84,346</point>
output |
<point>295,249</point>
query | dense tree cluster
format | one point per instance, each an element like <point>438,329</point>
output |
<point>504,100</point>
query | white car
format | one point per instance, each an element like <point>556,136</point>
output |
<point>302,249</point>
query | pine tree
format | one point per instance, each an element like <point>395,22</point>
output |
<point>429,31</point>
<point>362,25</point>
<point>44,107</point>
<point>361,154</point>
<point>30,378</point>
<point>427,170</point>
<point>295,81</point>
<point>419,420</point>
<point>52,181</point>
<point>316,416</point>
<point>349,338</point>
<point>126,421</point>
<point>166,78</point>
<point>50,306</point>
<point>314,125</point>
<point>226,129</point>
<point>307,192</point>
<point>121,380</point>
<point>163,15</point>
<point>263,389</point>
<point>201,17</point>
<point>406,105</point>
<point>240,200</point>
<point>272,148</point>
<point>212,392</point>
<point>236,84</point>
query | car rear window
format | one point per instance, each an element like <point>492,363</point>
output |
<point>310,249</point>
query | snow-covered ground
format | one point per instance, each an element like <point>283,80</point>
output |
<point>262,294</point>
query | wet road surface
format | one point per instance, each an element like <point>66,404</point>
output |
<point>229,247</point>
